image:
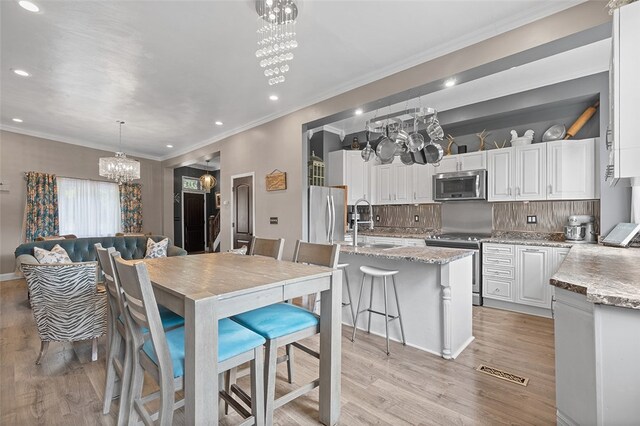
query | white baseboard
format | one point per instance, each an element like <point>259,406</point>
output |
<point>10,276</point>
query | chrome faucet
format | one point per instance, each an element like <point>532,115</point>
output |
<point>356,222</point>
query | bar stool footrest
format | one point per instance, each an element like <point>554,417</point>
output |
<point>391,317</point>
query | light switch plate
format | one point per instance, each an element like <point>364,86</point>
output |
<point>416,218</point>
<point>377,218</point>
<point>273,220</point>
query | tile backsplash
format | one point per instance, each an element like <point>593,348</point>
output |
<point>403,216</point>
<point>508,216</point>
<point>551,215</point>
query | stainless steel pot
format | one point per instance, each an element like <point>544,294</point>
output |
<point>416,141</point>
<point>386,149</point>
<point>407,158</point>
<point>433,153</point>
<point>367,151</point>
<point>401,137</point>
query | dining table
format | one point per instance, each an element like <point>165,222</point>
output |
<point>205,288</point>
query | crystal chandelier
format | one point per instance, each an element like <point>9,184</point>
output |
<point>119,168</point>
<point>276,37</point>
<point>207,181</point>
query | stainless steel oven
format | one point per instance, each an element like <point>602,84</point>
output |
<point>459,186</point>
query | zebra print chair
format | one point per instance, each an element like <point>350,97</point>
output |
<point>66,303</point>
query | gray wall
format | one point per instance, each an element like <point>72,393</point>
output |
<point>22,153</point>
<point>280,144</point>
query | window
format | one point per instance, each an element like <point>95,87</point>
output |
<point>88,208</point>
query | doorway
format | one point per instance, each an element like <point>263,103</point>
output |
<point>243,210</point>
<point>194,221</point>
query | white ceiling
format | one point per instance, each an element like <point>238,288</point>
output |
<point>169,69</point>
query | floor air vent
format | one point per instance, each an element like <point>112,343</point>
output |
<point>509,377</point>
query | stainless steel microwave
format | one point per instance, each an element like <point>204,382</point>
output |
<point>458,186</point>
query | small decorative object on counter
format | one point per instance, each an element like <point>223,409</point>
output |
<point>582,120</point>
<point>554,133</point>
<point>355,144</point>
<point>522,140</point>
<point>482,136</point>
<point>452,141</point>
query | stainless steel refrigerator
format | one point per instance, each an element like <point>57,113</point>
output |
<point>326,214</point>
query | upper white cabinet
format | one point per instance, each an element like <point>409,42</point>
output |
<point>423,183</point>
<point>531,173</point>
<point>393,183</point>
<point>517,173</point>
<point>463,162</point>
<point>348,168</point>
<point>571,170</point>
<point>625,66</point>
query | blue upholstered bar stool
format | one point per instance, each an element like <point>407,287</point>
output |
<point>116,333</point>
<point>284,324</point>
<point>379,273</point>
<point>161,354</point>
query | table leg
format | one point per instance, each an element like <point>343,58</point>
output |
<point>330,350</point>
<point>201,360</point>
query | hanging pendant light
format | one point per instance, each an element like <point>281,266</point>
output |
<point>119,168</point>
<point>207,181</point>
<point>276,37</point>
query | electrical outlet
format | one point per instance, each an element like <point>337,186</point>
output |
<point>416,218</point>
<point>532,219</point>
<point>377,218</point>
<point>273,220</point>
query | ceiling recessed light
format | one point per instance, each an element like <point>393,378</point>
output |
<point>169,146</point>
<point>17,120</point>
<point>30,6</point>
<point>219,123</point>
<point>359,111</point>
<point>273,97</point>
<point>21,73</point>
<point>450,82</point>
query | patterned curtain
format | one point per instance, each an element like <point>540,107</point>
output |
<point>131,207</point>
<point>41,213</point>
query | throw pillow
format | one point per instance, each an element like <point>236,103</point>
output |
<point>155,250</point>
<point>56,255</point>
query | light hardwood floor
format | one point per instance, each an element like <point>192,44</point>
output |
<point>409,387</point>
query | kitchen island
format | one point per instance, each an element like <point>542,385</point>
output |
<point>597,343</point>
<point>434,292</point>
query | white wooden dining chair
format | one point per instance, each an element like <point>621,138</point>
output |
<point>161,354</point>
<point>117,378</point>
<point>284,324</point>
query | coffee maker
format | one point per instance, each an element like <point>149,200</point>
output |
<point>580,229</point>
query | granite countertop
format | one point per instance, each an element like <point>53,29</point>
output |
<point>435,255</point>
<point>418,233</point>
<point>528,242</point>
<point>606,275</point>
<point>528,239</point>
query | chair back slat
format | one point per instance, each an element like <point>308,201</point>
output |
<point>267,247</point>
<point>105,262</point>
<point>317,254</point>
<point>141,311</point>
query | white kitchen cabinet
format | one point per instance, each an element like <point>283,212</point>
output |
<point>423,183</point>
<point>532,276</point>
<point>498,272</point>
<point>517,173</point>
<point>463,162</point>
<point>448,164</point>
<point>559,254</point>
<point>393,183</point>
<point>531,175</point>
<point>348,168</point>
<point>403,183</point>
<point>626,90</point>
<point>500,175</point>
<point>571,173</point>
<point>597,368</point>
